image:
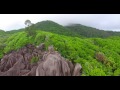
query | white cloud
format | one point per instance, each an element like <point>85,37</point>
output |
<point>100,21</point>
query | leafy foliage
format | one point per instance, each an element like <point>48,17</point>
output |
<point>2,32</point>
<point>76,49</point>
<point>90,32</point>
<point>3,38</point>
<point>74,30</point>
<point>30,28</point>
<point>17,41</point>
<point>99,54</point>
<point>53,27</point>
<point>34,60</point>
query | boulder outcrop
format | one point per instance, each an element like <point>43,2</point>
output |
<point>35,61</point>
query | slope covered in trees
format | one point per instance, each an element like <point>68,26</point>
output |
<point>53,27</point>
<point>90,32</point>
<point>14,31</point>
<point>3,37</point>
<point>2,32</point>
<point>74,30</point>
<point>97,51</point>
<point>98,57</point>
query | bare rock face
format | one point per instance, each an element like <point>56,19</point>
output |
<point>41,46</point>
<point>77,70</point>
<point>50,63</point>
<point>53,66</point>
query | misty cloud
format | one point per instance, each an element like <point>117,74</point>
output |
<point>100,21</point>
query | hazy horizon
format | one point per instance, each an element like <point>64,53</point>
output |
<point>100,21</point>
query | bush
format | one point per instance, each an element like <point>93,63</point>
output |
<point>100,57</point>
<point>117,72</point>
<point>34,60</point>
<point>75,49</point>
<point>97,72</point>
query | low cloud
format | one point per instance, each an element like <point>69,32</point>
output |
<point>100,21</point>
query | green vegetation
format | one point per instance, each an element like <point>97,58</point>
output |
<point>34,60</point>
<point>74,30</point>
<point>105,63</point>
<point>17,41</point>
<point>90,32</point>
<point>53,27</point>
<point>3,38</point>
<point>2,32</point>
<point>98,56</point>
<point>30,28</point>
<point>15,31</point>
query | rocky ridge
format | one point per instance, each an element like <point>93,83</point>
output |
<point>35,61</point>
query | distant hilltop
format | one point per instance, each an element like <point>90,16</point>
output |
<point>74,30</point>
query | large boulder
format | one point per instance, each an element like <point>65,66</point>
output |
<point>50,63</point>
<point>55,65</point>
<point>77,70</point>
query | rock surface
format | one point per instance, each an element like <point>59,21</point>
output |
<point>48,63</point>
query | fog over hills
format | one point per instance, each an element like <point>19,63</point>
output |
<point>59,45</point>
<point>100,21</point>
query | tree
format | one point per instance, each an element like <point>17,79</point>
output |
<point>28,23</point>
<point>30,28</point>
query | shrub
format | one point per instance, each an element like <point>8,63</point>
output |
<point>34,60</point>
<point>117,72</point>
<point>100,57</point>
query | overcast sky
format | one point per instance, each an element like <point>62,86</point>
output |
<point>100,21</point>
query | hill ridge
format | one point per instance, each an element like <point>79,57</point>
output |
<point>74,30</point>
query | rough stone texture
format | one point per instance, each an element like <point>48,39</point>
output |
<point>50,63</point>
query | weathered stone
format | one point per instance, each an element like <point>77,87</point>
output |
<point>51,63</point>
<point>77,69</point>
<point>41,46</point>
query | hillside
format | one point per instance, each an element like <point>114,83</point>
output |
<point>14,31</point>
<point>3,37</point>
<point>2,32</point>
<point>98,57</point>
<point>35,61</point>
<point>90,31</point>
<point>53,27</point>
<point>97,51</point>
<point>74,30</point>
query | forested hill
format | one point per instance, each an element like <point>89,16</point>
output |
<point>2,32</point>
<point>54,27</point>
<point>90,31</point>
<point>14,31</point>
<point>97,56</point>
<point>74,30</point>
